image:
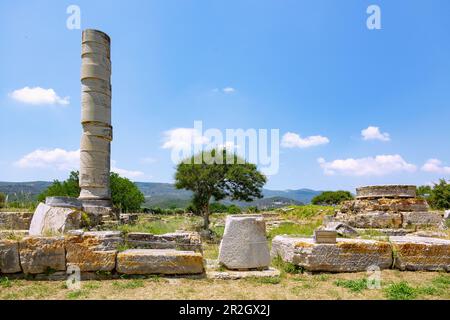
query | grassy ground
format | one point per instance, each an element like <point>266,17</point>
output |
<point>394,285</point>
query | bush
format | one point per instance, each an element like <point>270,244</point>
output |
<point>332,197</point>
<point>439,197</point>
<point>217,207</point>
<point>2,199</point>
<point>252,209</point>
<point>233,209</point>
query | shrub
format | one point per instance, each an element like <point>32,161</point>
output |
<point>332,197</point>
<point>233,209</point>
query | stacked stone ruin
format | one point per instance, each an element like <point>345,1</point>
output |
<point>387,207</point>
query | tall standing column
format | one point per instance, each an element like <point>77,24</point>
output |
<point>95,119</point>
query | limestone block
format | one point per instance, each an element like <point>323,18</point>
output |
<point>387,191</point>
<point>9,256</point>
<point>385,204</point>
<point>159,261</point>
<point>41,254</point>
<point>93,251</point>
<point>15,220</point>
<point>189,241</point>
<point>63,202</point>
<point>421,253</point>
<point>421,218</point>
<point>51,220</point>
<point>244,243</point>
<point>347,255</point>
<point>374,220</point>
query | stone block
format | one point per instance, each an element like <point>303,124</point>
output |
<point>347,255</point>
<point>189,241</point>
<point>53,220</point>
<point>93,251</point>
<point>375,220</point>
<point>387,191</point>
<point>421,253</point>
<point>427,218</point>
<point>15,220</point>
<point>9,256</point>
<point>42,254</point>
<point>159,261</point>
<point>244,243</point>
<point>325,236</point>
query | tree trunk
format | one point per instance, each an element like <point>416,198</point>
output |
<point>205,211</point>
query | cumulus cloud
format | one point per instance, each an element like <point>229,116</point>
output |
<point>435,166</point>
<point>44,158</point>
<point>183,138</point>
<point>64,160</point>
<point>293,140</point>
<point>374,133</point>
<point>370,166</point>
<point>38,96</point>
<point>130,174</point>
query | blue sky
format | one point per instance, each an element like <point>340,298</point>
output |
<point>307,68</point>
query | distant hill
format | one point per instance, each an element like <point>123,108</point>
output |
<point>165,195</point>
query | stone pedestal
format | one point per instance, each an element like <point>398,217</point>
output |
<point>244,243</point>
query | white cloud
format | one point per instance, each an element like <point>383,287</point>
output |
<point>293,140</point>
<point>370,166</point>
<point>64,160</point>
<point>37,96</point>
<point>435,166</point>
<point>228,90</point>
<point>130,174</point>
<point>57,158</point>
<point>374,133</point>
<point>183,138</point>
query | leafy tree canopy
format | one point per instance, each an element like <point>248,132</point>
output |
<point>331,197</point>
<point>217,175</point>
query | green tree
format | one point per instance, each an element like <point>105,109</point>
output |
<point>332,197</point>
<point>439,197</point>
<point>424,191</point>
<point>68,188</point>
<point>124,193</point>
<point>217,175</point>
<point>2,199</point>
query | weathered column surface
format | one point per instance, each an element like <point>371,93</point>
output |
<point>96,119</point>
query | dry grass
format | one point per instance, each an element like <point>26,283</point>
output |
<point>426,285</point>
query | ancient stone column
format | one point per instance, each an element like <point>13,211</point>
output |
<point>95,119</point>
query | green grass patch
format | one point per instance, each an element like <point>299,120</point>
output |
<point>129,284</point>
<point>400,291</point>
<point>286,267</point>
<point>77,294</point>
<point>290,228</point>
<point>356,285</point>
<point>5,282</point>
<point>309,211</point>
<point>265,280</point>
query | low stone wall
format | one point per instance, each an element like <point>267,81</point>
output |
<point>15,220</point>
<point>352,255</point>
<point>91,253</point>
